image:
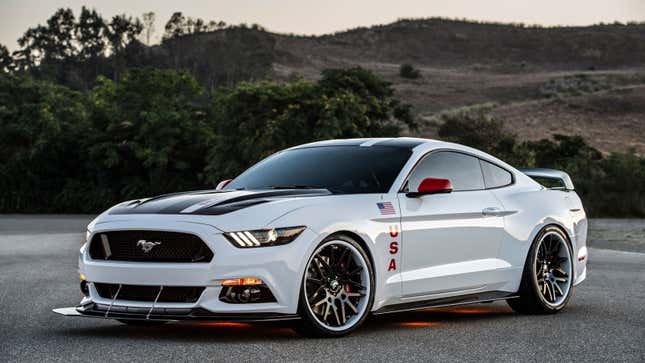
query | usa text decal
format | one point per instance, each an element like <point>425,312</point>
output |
<point>393,247</point>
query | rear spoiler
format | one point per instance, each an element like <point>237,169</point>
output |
<point>550,178</point>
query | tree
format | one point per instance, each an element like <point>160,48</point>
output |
<point>60,32</point>
<point>6,61</point>
<point>54,42</point>
<point>630,191</point>
<point>215,25</point>
<point>559,152</point>
<point>91,34</point>
<point>179,25</point>
<point>272,116</point>
<point>175,26</point>
<point>376,95</point>
<point>32,46</point>
<point>123,30</point>
<point>148,25</point>
<point>43,129</point>
<point>150,135</point>
<point>199,26</point>
<point>475,127</point>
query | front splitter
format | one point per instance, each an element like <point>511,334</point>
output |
<point>121,312</point>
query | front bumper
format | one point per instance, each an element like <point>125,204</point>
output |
<point>279,267</point>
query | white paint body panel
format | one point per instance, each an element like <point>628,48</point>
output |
<point>447,246</point>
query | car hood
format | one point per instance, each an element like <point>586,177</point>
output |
<point>210,202</point>
<point>224,210</point>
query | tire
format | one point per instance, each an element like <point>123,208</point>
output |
<point>348,295</point>
<point>141,322</point>
<point>542,289</point>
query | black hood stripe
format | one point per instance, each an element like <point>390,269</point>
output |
<point>276,193</point>
<point>165,204</point>
<point>177,202</point>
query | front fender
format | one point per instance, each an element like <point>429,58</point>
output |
<point>358,216</point>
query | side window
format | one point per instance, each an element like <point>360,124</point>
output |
<point>494,176</point>
<point>462,170</point>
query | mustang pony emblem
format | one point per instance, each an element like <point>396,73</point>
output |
<point>147,246</point>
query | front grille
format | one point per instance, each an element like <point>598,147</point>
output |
<point>169,294</point>
<point>149,246</point>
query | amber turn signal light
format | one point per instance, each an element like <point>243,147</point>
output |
<point>245,281</point>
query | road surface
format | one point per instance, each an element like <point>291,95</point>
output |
<point>605,319</point>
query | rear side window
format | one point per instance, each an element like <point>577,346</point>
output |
<point>494,176</point>
<point>462,170</point>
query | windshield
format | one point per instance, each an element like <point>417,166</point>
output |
<point>339,169</point>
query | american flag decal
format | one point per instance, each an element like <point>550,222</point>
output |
<point>386,208</point>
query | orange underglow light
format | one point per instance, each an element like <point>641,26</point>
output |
<point>420,324</point>
<point>82,277</point>
<point>245,281</point>
<point>473,311</point>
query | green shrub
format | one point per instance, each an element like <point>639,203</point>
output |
<point>156,131</point>
<point>408,71</point>
<point>575,85</point>
<point>149,133</point>
<point>473,126</point>
<point>254,120</point>
<point>43,127</point>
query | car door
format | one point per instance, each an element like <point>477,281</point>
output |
<point>450,241</point>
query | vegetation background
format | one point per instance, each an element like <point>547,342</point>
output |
<point>92,114</point>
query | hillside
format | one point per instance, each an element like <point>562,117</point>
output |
<point>441,42</point>
<point>543,80</point>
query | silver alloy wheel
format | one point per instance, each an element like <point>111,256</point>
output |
<point>337,285</point>
<point>553,268</point>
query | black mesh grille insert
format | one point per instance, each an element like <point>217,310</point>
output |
<point>169,294</point>
<point>149,246</point>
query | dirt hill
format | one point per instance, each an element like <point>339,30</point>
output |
<point>573,80</point>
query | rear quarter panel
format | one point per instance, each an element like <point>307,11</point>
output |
<point>531,209</point>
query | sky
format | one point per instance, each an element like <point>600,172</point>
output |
<point>325,16</point>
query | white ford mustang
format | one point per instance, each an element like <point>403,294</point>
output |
<point>329,232</point>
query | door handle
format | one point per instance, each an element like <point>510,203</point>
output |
<point>492,211</point>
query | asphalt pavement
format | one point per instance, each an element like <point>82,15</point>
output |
<point>605,319</point>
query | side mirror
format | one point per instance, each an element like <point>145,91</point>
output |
<point>221,185</point>
<point>431,186</point>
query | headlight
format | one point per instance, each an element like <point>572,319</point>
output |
<point>264,237</point>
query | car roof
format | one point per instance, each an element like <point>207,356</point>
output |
<point>417,145</point>
<point>420,147</point>
<point>401,142</point>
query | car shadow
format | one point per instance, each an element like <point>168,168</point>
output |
<point>276,331</point>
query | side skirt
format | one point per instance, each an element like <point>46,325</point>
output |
<point>483,297</point>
